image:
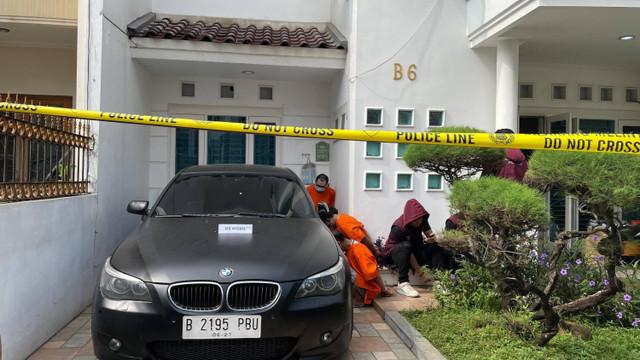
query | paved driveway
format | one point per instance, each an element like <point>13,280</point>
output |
<point>372,339</point>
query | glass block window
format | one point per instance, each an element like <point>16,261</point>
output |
<point>266,93</point>
<point>405,117</point>
<point>631,95</point>
<point>558,92</point>
<point>373,149</point>
<point>435,117</point>
<point>606,94</point>
<point>227,91</point>
<point>373,180</point>
<point>404,181</point>
<point>401,148</point>
<point>526,91</point>
<point>585,93</point>
<point>188,89</point>
<point>374,117</point>
<point>434,182</point>
<point>186,148</point>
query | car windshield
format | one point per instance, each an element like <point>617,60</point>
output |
<point>234,195</point>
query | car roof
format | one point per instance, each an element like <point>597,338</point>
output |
<point>240,169</point>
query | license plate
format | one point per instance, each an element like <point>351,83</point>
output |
<point>221,327</point>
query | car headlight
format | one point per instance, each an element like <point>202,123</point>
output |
<point>328,282</point>
<point>119,286</point>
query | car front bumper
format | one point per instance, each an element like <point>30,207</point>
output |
<point>292,328</point>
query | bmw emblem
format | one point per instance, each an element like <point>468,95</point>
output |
<point>226,272</point>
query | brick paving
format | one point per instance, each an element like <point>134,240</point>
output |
<point>373,338</point>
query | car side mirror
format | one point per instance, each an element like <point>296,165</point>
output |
<point>138,207</point>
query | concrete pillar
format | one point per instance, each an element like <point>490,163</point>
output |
<point>507,84</point>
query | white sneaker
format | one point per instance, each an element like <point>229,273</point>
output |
<point>407,290</point>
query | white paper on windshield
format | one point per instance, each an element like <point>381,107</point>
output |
<point>235,229</point>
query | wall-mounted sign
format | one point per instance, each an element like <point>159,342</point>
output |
<point>322,151</point>
<point>411,72</point>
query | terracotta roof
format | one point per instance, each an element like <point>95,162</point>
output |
<point>235,34</point>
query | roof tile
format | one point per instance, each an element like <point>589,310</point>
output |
<point>235,34</point>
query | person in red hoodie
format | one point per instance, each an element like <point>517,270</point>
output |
<point>411,244</point>
<point>515,165</point>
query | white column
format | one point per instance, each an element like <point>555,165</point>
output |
<point>507,84</point>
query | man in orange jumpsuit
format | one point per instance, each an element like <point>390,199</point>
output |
<point>321,192</point>
<point>350,227</point>
<point>368,284</point>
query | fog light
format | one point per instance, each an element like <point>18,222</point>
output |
<point>326,338</point>
<point>115,344</point>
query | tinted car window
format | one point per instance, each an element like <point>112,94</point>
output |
<point>234,194</point>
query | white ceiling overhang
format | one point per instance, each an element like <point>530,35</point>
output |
<point>582,35</point>
<point>196,58</point>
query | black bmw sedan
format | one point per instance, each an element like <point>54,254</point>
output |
<point>232,262</point>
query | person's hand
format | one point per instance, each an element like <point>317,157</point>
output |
<point>431,238</point>
<point>376,253</point>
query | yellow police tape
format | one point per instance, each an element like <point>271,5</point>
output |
<point>610,143</point>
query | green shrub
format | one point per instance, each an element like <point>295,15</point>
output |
<point>454,162</point>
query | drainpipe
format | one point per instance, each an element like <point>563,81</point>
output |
<point>507,84</point>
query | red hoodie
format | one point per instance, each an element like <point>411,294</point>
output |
<point>412,210</point>
<point>515,166</point>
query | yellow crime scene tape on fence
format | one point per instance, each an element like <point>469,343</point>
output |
<point>609,143</point>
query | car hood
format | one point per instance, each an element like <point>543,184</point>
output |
<point>168,250</point>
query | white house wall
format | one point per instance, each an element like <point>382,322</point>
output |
<point>278,10</point>
<point>449,75</point>
<point>122,150</point>
<point>543,76</point>
<point>304,104</point>
<point>38,71</point>
<point>46,252</point>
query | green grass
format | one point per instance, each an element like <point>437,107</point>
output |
<point>473,334</point>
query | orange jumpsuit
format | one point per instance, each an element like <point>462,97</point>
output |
<point>328,195</point>
<point>350,227</point>
<point>362,261</point>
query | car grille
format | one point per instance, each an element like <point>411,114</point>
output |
<point>196,296</point>
<point>231,349</point>
<point>247,296</point>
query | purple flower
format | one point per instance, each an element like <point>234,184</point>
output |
<point>599,258</point>
<point>619,315</point>
<point>547,264</point>
<point>470,252</point>
<point>543,256</point>
<point>568,265</point>
<point>592,283</point>
<point>635,322</point>
<point>578,261</point>
<point>563,271</point>
<point>627,297</point>
<point>595,237</point>
<point>540,262</point>
<point>578,277</point>
<point>599,311</point>
<point>533,254</point>
<point>472,278</point>
<point>606,283</point>
<point>453,276</point>
<point>462,255</point>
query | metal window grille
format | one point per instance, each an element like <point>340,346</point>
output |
<point>42,156</point>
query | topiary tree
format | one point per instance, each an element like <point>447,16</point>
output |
<point>603,183</point>
<point>499,216</point>
<point>454,162</point>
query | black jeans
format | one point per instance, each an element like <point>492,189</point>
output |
<point>430,254</point>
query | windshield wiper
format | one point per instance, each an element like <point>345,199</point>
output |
<point>195,215</point>
<point>258,214</point>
